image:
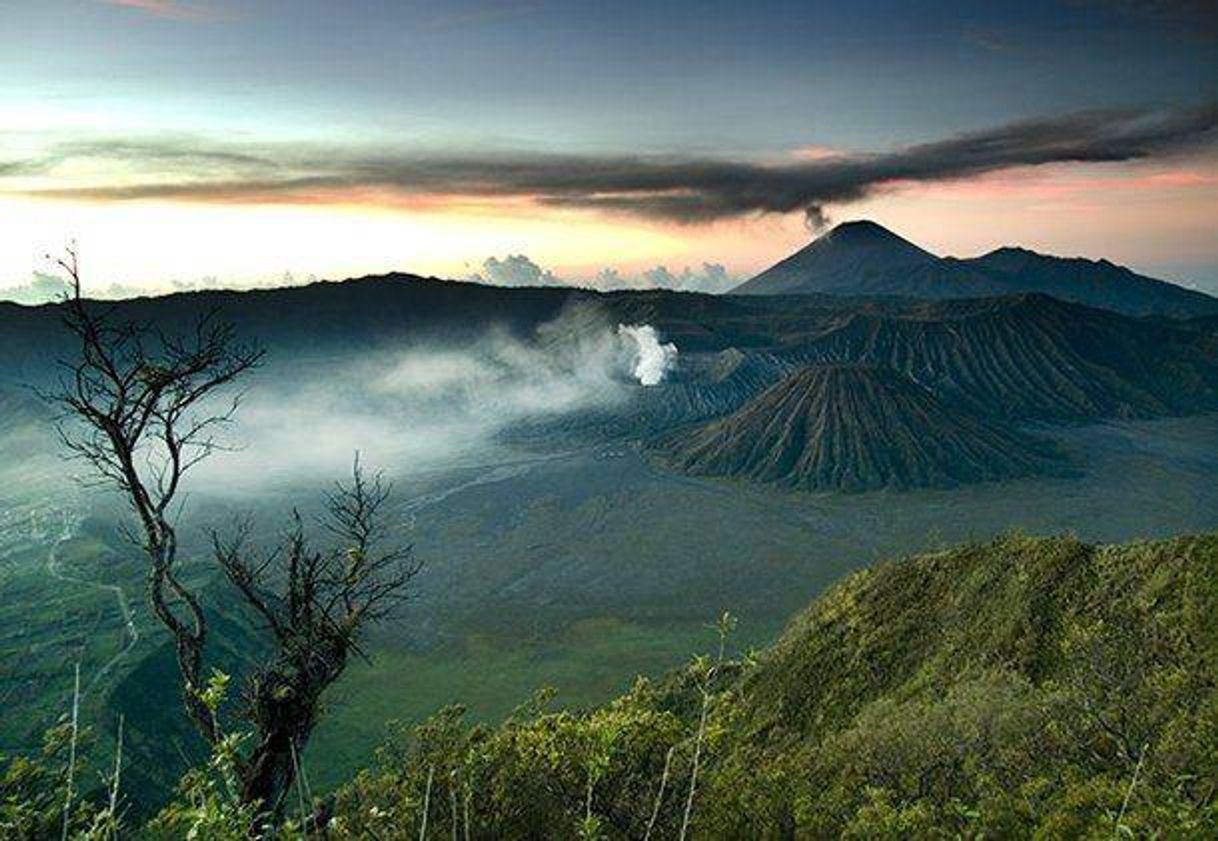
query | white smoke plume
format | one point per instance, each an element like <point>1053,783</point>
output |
<point>434,405</point>
<point>426,407</point>
<point>652,359</point>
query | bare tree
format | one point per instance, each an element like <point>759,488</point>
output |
<point>146,400</point>
<point>141,408</point>
<point>314,603</point>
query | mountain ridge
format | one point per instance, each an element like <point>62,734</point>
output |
<point>1004,688</point>
<point>1028,357</point>
<point>864,258</point>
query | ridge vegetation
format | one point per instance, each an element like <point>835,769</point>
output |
<point>1024,687</point>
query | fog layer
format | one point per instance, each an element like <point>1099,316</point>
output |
<point>427,407</point>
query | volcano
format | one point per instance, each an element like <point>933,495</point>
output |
<point>863,258</point>
<point>855,427</point>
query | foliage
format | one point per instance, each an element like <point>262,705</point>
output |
<point>1021,688</point>
<point>589,774</point>
<point>208,802</point>
<point>32,791</point>
<point>1024,687</point>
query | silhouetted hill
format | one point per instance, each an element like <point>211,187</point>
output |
<point>1027,357</point>
<point>863,258</point>
<point>304,323</point>
<point>1096,283</point>
<point>854,427</point>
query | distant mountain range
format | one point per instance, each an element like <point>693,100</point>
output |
<point>957,373</point>
<point>855,427</point>
<point>1034,358</point>
<point>863,258</point>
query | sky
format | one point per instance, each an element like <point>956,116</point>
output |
<point>195,142</point>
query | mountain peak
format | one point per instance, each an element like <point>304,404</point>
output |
<point>872,237</point>
<point>861,230</point>
<point>862,258</point>
<point>856,257</point>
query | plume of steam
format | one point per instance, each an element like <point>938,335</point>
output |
<point>434,404</point>
<point>427,406</point>
<point>652,360</point>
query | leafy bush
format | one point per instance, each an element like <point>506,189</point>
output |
<point>1024,687</point>
<point>1020,688</point>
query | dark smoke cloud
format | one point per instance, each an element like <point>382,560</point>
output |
<point>23,167</point>
<point>816,218</point>
<point>183,151</point>
<point>666,188</point>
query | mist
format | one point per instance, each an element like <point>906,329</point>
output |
<point>434,406</point>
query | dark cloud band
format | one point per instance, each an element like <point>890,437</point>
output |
<point>667,188</point>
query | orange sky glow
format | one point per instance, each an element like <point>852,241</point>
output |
<point>1147,215</point>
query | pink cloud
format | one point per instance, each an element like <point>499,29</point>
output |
<point>173,9</point>
<point>815,153</point>
<point>1067,182</point>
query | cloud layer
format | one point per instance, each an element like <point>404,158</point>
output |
<point>42,289</point>
<point>521,270</point>
<point>513,270</point>
<point>669,188</point>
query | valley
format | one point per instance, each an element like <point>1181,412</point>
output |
<point>612,421</point>
<point>588,479</point>
<point>577,571</point>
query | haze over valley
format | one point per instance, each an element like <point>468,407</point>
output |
<point>592,469</point>
<point>649,421</point>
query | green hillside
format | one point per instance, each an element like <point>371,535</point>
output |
<point>1025,687</point>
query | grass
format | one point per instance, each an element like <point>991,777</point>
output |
<point>44,632</point>
<point>586,663</point>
